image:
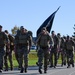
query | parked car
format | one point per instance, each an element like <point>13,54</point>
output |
<point>33,47</point>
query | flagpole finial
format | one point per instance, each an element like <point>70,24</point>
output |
<point>58,8</point>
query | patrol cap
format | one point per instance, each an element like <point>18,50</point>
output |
<point>64,37</point>
<point>6,31</point>
<point>52,32</point>
<point>44,28</point>
<point>68,36</point>
<point>0,26</point>
<point>58,34</point>
<point>21,27</point>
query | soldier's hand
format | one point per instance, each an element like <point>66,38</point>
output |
<point>8,51</point>
<point>8,45</point>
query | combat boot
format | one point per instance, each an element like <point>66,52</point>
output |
<point>72,64</point>
<point>22,69</point>
<point>0,71</point>
<point>51,66</point>
<point>45,71</point>
<point>6,70</point>
<point>11,68</point>
<point>64,63</point>
<point>25,70</point>
<point>68,66</point>
<point>40,71</point>
<point>19,68</point>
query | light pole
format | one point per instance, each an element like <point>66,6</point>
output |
<point>74,31</point>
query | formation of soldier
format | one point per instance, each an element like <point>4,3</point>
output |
<point>49,47</point>
<point>53,46</point>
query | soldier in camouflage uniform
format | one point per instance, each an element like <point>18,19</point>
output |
<point>43,41</point>
<point>63,51</point>
<point>3,41</point>
<point>16,47</point>
<point>54,50</point>
<point>59,45</point>
<point>8,53</point>
<point>23,42</point>
<point>69,45</point>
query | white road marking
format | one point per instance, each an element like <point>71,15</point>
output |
<point>72,73</point>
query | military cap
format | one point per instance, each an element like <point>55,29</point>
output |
<point>21,27</point>
<point>52,32</point>
<point>6,31</point>
<point>44,28</point>
<point>68,36</point>
<point>58,34</point>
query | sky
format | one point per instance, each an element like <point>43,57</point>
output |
<point>32,13</point>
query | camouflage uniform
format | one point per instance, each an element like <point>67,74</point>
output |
<point>23,42</point>
<point>69,45</point>
<point>16,48</point>
<point>8,53</point>
<point>59,45</point>
<point>3,41</point>
<point>63,51</point>
<point>54,51</point>
<point>43,41</point>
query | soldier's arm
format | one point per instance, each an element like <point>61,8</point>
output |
<point>37,42</point>
<point>73,43</point>
<point>15,43</point>
<point>38,39</point>
<point>30,41</point>
<point>7,42</point>
<point>51,41</point>
<point>16,40</point>
<point>57,42</point>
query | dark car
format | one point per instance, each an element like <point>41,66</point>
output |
<point>33,47</point>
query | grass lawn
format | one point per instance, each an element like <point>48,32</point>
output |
<point>32,59</point>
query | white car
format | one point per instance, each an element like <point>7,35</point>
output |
<point>33,47</point>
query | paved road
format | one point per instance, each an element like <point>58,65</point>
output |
<point>51,71</point>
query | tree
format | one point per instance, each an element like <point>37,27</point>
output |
<point>14,30</point>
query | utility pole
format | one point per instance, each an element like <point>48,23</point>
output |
<point>74,31</point>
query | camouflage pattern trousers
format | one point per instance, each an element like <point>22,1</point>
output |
<point>23,55</point>
<point>6,56</point>
<point>43,53</point>
<point>70,57</point>
<point>2,52</point>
